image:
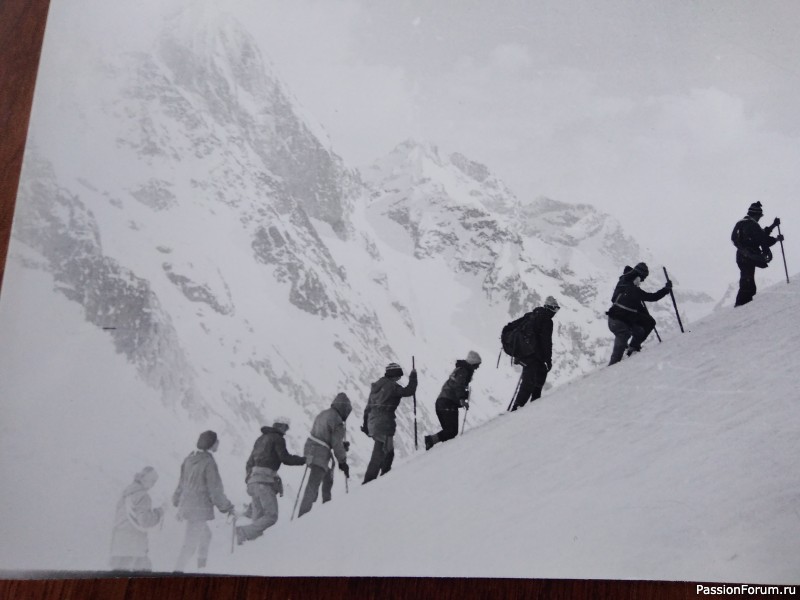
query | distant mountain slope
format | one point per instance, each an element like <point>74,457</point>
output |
<point>201,219</point>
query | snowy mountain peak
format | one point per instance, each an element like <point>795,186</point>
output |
<point>477,171</point>
<point>574,224</point>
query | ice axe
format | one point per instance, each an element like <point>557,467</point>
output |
<point>786,270</point>
<point>233,531</point>
<point>300,489</point>
<point>675,304</point>
<point>469,397</point>
<point>510,404</point>
<point>416,445</point>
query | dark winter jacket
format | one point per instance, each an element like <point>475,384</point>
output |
<point>135,514</point>
<point>628,299</point>
<point>537,333</point>
<point>455,389</point>
<point>200,489</point>
<point>384,398</point>
<point>270,452</point>
<point>327,434</point>
<point>751,240</point>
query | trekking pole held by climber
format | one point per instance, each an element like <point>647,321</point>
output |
<point>498,358</point>
<point>416,445</point>
<point>510,404</point>
<point>675,304</point>
<point>300,489</point>
<point>233,532</point>
<point>658,336</point>
<point>346,477</point>
<point>786,270</point>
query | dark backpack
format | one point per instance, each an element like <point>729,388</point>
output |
<point>761,259</point>
<point>515,338</point>
<point>736,234</point>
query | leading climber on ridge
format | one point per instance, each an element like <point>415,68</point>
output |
<point>628,317</point>
<point>752,250</point>
<point>379,417</point>
<point>536,353</point>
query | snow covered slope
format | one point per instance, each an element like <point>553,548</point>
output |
<point>676,464</point>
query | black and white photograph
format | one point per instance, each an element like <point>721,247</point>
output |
<point>345,288</point>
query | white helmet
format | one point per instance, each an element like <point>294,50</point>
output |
<point>282,421</point>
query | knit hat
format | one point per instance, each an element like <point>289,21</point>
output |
<point>393,370</point>
<point>473,358</point>
<point>551,303</point>
<point>755,210</point>
<point>206,440</point>
<point>642,270</point>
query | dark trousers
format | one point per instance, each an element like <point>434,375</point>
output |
<point>747,280</point>
<point>382,456</point>
<point>317,477</point>
<point>448,418</point>
<point>625,331</point>
<point>534,374</point>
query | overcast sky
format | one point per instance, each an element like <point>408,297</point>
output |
<point>672,116</point>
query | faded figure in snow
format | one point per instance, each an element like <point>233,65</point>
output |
<point>325,442</point>
<point>199,491</point>
<point>135,515</point>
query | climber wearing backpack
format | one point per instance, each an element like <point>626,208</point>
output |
<point>264,485</point>
<point>379,417</point>
<point>454,395</point>
<point>628,317</point>
<point>533,349</point>
<point>752,250</point>
<point>325,442</point>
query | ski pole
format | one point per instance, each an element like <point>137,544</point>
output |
<point>346,477</point>
<point>784,256</point>
<point>300,489</point>
<point>464,422</point>
<point>677,314</point>
<point>233,533</point>
<point>515,393</point>
<point>416,445</point>
<point>499,354</point>
<point>658,336</point>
